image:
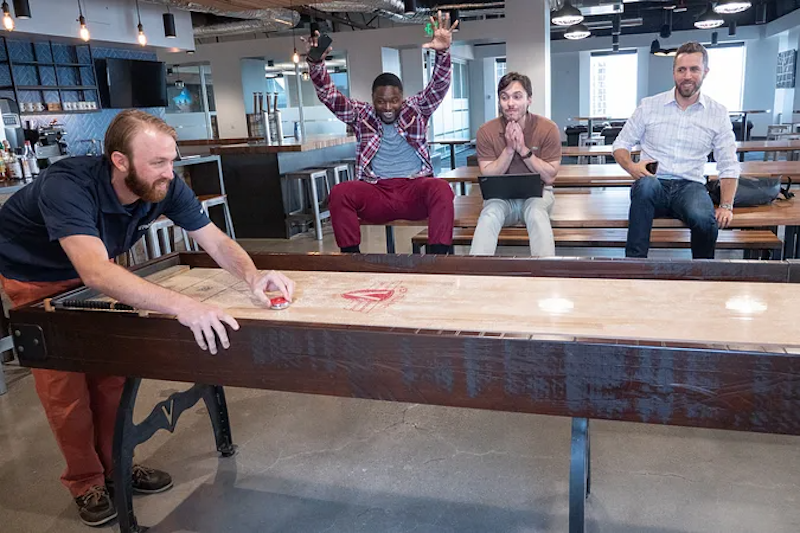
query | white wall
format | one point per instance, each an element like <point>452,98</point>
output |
<point>566,82</point>
<point>390,57</point>
<point>253,80</point>
<point>110,21</point>
<point>759,84</point>
<point>412,66</point>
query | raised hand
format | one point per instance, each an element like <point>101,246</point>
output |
<point>443,35</point>
<point>311,42</point>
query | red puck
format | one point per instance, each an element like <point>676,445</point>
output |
<point>279,303</point>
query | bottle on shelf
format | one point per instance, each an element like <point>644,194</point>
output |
<point>26,168</point>
<point>13,168</point>
<point>30,157</point>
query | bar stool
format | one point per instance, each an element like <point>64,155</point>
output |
<point>593,141</point>
<point>210,200</point>
<point>339,171</point>
<point>158,231</point>
<point>351,164</point>
<point>310,176</point>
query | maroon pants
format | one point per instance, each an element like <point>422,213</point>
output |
<point>389,200</point>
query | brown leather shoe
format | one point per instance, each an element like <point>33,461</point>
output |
<point>95,507</point>
<point>146,481</point>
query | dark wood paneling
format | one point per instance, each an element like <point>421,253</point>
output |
<point>745,391</point>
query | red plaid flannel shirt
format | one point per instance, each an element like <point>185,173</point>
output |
<point>412,121</point>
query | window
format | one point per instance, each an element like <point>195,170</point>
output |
<point>451,119</point>
<point>612,85</point>
<point>499,70</point>
<point>726,75</point>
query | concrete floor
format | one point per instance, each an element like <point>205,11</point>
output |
<point>312,464</point>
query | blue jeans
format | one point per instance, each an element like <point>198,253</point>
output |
<point>685,200</point>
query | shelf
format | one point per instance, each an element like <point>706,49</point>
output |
<point>58,112</point>
<point>46,64</point>
<point>56,87</point>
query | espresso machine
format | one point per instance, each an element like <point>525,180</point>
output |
<point>12,126</point>
<point>50,144</point>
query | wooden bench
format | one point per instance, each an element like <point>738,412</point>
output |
<point>752,241</point>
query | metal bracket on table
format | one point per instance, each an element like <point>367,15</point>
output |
<point>580,473</point>
<point>29,342</point>
<point>165,414</point>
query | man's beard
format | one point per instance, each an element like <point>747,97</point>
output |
<point>692,89</point>
<point>148,193</point>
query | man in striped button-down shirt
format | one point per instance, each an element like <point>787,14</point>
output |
<point>393,167</point>
<point>678,129</point>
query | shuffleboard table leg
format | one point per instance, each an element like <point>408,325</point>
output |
<point>125,441</point>
<point>164,415</point>
<point>579,474</point>
<point>218,411</point>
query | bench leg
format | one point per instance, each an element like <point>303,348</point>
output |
<point>390,239</point>
<point>315,201</point>
<point>579,474</point>
<point>164,415</point>
<point>790,243</point>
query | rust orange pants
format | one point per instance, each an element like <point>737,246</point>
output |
<point>81,408</point>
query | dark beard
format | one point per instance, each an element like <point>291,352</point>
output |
<point>148,193</point>
<point>695,90</point>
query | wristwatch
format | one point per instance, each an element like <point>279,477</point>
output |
<point>528,155</point>
<point>729,207</point>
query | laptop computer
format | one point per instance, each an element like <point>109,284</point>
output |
<point>511,186</point>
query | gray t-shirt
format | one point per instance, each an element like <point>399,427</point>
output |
<point>395,158</point>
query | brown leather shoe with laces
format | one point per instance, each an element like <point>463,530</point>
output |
<point>95,507</point>
<point>146,481</point>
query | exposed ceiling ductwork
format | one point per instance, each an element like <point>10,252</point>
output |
<point>252,20</point>
<point>360,6</point>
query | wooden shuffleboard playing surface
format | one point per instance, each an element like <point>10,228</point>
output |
<point>720,313</point>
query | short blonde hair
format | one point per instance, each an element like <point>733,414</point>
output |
<point>125,126</point>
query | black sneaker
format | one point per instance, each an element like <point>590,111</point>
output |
<point>146,481</point>
<point>95,507</point>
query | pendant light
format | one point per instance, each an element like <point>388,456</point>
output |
<point>142,38</point>
<point>295,55</point>
<point>729,7</point>
<point>169,25</point>
<point>22,9</point>
<point>578,31</point>
<point>568,15</point>
<point>709,20</point>
<point>8,22</point>
<point>83,31</point>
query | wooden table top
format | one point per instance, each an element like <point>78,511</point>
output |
<point>609,209</point>
<point>676,311</point>
<point>613,173</point>
<point>741,146</point>
<point>451,141</point>
<point>306,145</point>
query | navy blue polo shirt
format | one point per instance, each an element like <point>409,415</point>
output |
<point>75,197</point>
